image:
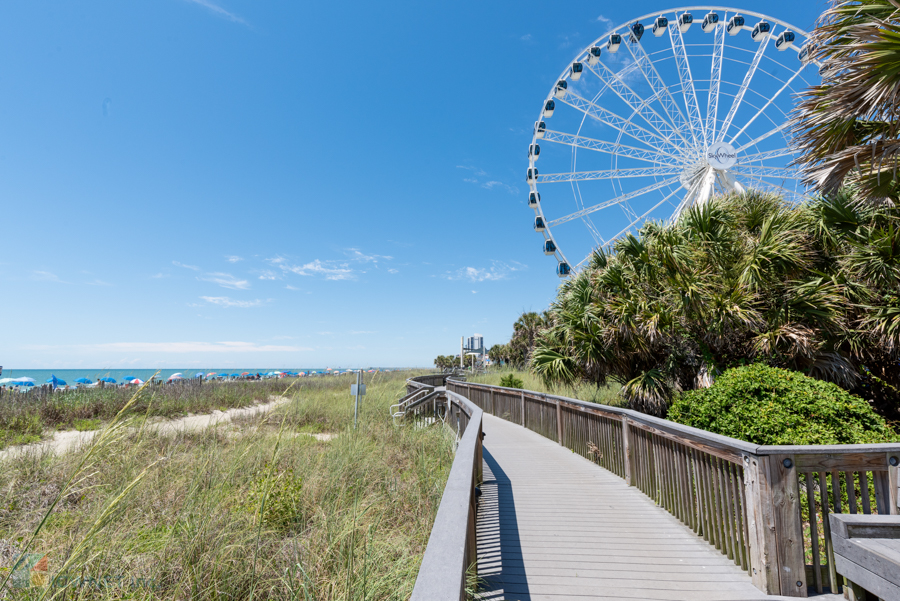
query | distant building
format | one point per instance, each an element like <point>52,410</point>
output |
<point>475,344</point>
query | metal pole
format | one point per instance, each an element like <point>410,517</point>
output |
<point>461,355</point>
<point>356,406</point>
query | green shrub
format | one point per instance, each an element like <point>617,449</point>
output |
<point>511,381</point>
<point>283,494</point>
<point>768,405</point>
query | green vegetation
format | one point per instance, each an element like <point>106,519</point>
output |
<point>744,278</point>
<point>772,406</point>
<point>255,509</point>
<point>511,381</point>
<point>25,417</point>
<point>846,127</point>
<point>607,394</point>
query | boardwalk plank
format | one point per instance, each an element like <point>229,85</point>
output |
<point>554,526</point>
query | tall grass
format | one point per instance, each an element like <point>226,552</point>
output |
<point>604,395</point>
<point>26,417</point>
<point>257,508</point>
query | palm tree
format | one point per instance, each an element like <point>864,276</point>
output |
<point>846,127</point>
<point>813,287</point>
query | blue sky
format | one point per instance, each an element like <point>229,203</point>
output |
<point>190,182</point>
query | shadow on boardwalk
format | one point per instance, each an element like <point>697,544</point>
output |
<point>499,549</point>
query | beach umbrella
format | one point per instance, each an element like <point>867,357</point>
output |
<point>25,380</point>
<point>108,379</point>
<point>137,382</point>
<point>211,374</point>
<point>246,373</point>
<point>6,381</point>
<point>223,375</point>
<point>235,375</point>
<point>199,374</point>
<point>56,381</point>
<point>82,380</point>
<point>177,376</point>
<point>129,378</point>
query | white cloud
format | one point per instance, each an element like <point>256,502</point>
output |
<point>233,258</point>
<point>329,270</point>
<point>497,271</point>
<point>526,37</point>
<point>268,275</point>
<point>354,254</point>
<point>45,276</point>
<point>225,280</point>
<point>159,276</point>
<point>193,267</point>
<point>604,21</point>
<point>475,170</point>
<point>473,292</point>
<point>289,287</point>
<point>495,184</point>
<point>224,301</point>
<point>392,270</point>
<point>176,347</point>
<point>218,11</point>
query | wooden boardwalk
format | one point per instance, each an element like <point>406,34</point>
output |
<point>553,526</point>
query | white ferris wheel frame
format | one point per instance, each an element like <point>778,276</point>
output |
<point>703,185</point>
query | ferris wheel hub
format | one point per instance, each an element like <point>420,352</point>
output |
<point>721,156</point>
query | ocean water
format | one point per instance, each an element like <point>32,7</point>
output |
<point>70,375</point>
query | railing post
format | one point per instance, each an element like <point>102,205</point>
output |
<point>559,428</point>
<point>785,486</point>
<point>626,448</point>
<point>771,489</point>
<point>522,394</point>
<point>893,461</point>
<point>491,394</point>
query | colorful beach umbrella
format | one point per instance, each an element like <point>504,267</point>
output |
<point>176,376</point>
<point>129,378</point>
<point>137,382</point>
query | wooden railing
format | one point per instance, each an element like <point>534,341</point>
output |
<point>451,550</point>
<point>764,507</point>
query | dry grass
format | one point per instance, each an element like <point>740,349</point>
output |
<point>604,395</point>
<point>255,509</point>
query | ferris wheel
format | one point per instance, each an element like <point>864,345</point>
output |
<point>659,114</point>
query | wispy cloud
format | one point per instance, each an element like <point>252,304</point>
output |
<point>497,271</point>
<point>218,11</point>
<point>45,276</point>
<point>326,269</point>
<point>495,184</point>
<point>354,254</point>
<point>268,275</point>
<point>526,37</point>
<point>604,21</point>
<point>224,301</point>
<point>477,171</point>
<point>233,258</point>
<point>358,332</point>
<point>193,267</point>
<point>160,276</point>
<point>225,280</point>
<point>175,347</point>
<point>392,270</point>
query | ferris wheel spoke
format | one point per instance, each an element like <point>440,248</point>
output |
<point>584,176</point>
<point>614,201</point>
<point>739,97</point>
<point>637,104</point>
<point>613,148</point>
<point>779,172</point>
<point>769,154</point>
<point>762,137</point>
<point>615,121</point>
<point>774,188</point>
<point>660,89</point>
<point>715,80</point>
<point>687,81</point>
<point>642,217</point>
<point>766,105</point>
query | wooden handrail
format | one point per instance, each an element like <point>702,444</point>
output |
<point>747,500</point>
<point>451,548</point>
